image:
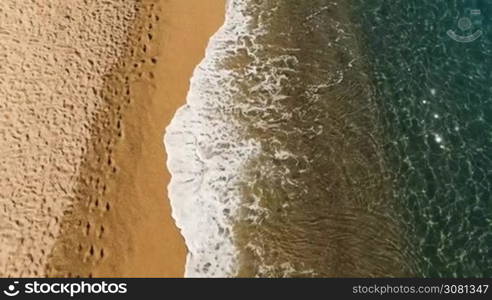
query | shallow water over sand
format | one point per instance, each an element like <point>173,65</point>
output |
<point>315,143</point>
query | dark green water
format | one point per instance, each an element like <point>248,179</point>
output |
<point>339,139</point>
<point>435,95</point>
<point>386,172</point>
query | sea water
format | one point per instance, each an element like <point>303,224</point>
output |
<point>338,138</point>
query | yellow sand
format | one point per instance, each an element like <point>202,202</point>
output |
<point>86,93</point>
<point>155,248</point>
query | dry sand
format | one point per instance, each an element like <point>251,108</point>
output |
<point>86,92</point>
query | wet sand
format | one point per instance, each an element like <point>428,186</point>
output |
<point>140,237</point>
<point>88,90</point>
<point>155,247</point>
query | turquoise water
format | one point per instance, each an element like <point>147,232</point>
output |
<point>435,94</point>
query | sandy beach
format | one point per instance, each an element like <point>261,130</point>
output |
<point>84,185</point>
<point>140,236</point>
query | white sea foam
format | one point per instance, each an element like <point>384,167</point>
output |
<point>205,157</point>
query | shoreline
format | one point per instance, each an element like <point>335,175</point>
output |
<point>242,102</point>
<point>130,232</point>
<point>182,48</point>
